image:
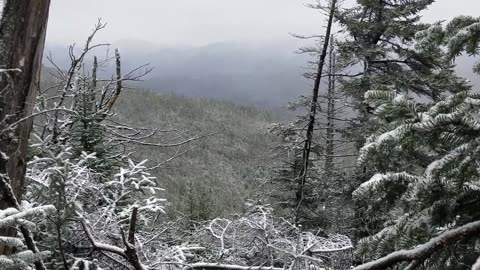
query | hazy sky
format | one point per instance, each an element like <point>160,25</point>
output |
<point>200,22</point>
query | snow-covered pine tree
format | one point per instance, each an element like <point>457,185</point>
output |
<point>60,178</point>
<point>283,190</point>
<point>427,177</point>
<point>425,160</point>
<point>83,196</point>
<point>88,134</point>
<point>462,36</point>
<point>379,54</point>
<point>22,258</point>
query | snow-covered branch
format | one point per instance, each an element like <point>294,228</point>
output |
<point>424,251</point>
<point>227,267</point>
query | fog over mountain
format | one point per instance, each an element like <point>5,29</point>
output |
<point>171,36</point>
<point>267,77</point>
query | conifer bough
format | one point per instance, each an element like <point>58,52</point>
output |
<point>421,253</point>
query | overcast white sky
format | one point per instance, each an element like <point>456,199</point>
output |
<point>200,22</point>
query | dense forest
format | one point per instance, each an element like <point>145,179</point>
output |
<point>376,168</point>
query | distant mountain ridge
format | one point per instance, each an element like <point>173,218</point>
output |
<point>266,77</point>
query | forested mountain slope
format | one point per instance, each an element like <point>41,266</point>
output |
<point>216,174</point>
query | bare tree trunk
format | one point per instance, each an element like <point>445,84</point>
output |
<point>313,111</point>
<point>118,88</point>
<point>331,114</point>
<point>22,37</point>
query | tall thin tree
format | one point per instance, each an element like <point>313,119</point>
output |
<point>331,113</point>
<point>313,109</point>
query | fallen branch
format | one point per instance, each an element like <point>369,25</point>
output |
<point>203,266</point>
<point>97,245</point>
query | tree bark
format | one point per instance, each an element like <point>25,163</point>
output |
<point>22,36</point>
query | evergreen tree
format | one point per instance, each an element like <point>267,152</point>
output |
<point>303,205</point>
<point>380,53</point>
<point>198,206</point>
<point>88,133</point>
<point>424,163</point>
<point>384,51</point>
<point>22,258</point>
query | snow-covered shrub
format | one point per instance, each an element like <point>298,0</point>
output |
<point>79,193</point>
<point>258,238</point>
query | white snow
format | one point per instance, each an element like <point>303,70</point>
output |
<point>399,99</point>
<point>4,156</point>
<point>440,163</point>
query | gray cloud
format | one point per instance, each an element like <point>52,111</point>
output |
<point>199,22</point>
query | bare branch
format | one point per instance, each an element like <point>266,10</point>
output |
<point>97,245</point>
